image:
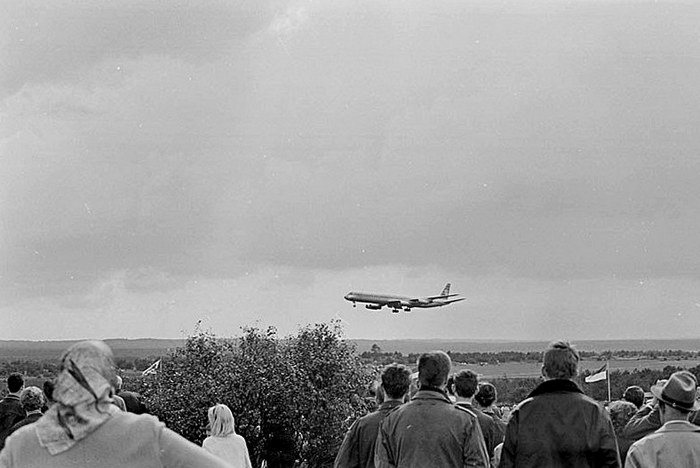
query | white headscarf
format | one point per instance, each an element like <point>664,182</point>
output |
<point>83,396</point>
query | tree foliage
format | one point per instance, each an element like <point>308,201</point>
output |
<point>310,385</point>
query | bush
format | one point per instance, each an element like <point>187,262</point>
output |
<point>305,389</point>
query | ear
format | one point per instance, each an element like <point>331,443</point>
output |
<point>544,374</point>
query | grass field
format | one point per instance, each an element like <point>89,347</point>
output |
<point>532,369</point>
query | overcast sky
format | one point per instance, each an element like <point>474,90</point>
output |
<point>251,162</point>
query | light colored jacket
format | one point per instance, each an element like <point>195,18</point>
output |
<point>124,440</point>
<point>675,445</point>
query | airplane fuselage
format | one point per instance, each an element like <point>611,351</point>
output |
<point>377,301</point>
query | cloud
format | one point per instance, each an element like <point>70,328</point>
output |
<point>162,143</point>
<point>47,42</point>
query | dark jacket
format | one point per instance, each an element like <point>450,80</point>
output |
<point>487,425</point>
<point>133,402</point>
<point>357,450</point>
<point>430,431</point>
<point>30,419</point>
<point>643,422</point>
<point>11,412</point>
<point>559,426</point>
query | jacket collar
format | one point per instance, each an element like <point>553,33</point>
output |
<point>389,405</point>
<point>679,426</point>
<point>431,393</point>
<point>555,385</point>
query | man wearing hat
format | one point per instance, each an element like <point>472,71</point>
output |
<point>677,443</point>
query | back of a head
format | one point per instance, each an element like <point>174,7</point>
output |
<point>466,383</point>
<point>15,382</point>
<point>87,373</point>
<point>561,361</point>
<point>621,412</point>
<point>221,421</point>
<point>48,389</point>
<point>31,399</point>
<point>635,395</point>
<point>486,394</point>
<point>396,380</point>
<point>434,368</point>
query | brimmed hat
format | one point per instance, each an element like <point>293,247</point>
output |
<point>678,392</point>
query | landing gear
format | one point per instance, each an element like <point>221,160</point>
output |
<point>407,309</point>
<point>354,305</point>
<point>395,311</point>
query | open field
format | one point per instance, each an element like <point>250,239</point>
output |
<point>532,369</point>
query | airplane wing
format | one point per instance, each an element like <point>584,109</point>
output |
<point>452,300</point>
<point>444,296</point>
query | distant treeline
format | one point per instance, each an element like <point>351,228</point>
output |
<point>514,390</point>
<point>376,356</point>
<point>46,368</point>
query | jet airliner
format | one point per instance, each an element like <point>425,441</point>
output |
<point>377,301</point>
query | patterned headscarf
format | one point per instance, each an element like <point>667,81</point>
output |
<point>83,396</point>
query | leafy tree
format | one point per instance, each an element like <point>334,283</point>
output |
<point>310,384</point>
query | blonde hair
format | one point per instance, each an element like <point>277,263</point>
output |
<point>221,421</point>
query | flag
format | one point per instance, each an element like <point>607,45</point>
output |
<point>152,369</point>
<point>600,374</point>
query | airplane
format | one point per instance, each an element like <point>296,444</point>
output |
<point>377,301</point>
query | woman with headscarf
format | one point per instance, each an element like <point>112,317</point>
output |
<point>223,441</point>
<point>84,429</point>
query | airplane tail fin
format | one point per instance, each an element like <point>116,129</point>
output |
<point>446,290</point>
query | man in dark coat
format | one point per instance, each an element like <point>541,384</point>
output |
<point>11,411</point>
<point>32,400</point>
<point>430,431</point>
<point>357,450</point>
<point>557,425</point>
<point>465,384</point>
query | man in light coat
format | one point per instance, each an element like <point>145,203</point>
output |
<point>677,443</point>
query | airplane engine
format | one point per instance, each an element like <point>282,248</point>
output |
<point>373,307</point>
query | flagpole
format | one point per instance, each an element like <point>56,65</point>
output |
<point>607,364</point>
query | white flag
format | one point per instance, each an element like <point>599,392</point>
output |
<point>152,369</point>
<point>600,374</point>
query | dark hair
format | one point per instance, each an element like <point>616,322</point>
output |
<point>434,368</point>
<point>486,394</point>
<point>15,382</point>
<point>466,382</point>
<point>561,361</point>
<point>396,379</point>
<point>48,387</point>
<point>634,394</point>
<point>450,384</point>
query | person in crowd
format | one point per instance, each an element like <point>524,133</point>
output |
<point>635,395</point>
<point>223,440</point>
<point>429,431</point>
<point>133,402</point>
<point>47,387</point>
<point>620,413</point>
<point>357,449</point>
<point>32,400</point>
<point>11,411</point>
<point>485,401</point>
<point>646,420</point>
<point>557,425</point>
<point>677,443</point>
<point>465,385</point>
<point>84,428</point>
<point>116,399</point>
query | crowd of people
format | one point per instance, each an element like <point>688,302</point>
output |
<point>84,419</point>
<point>429,419</point>
<point>452,421</point>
